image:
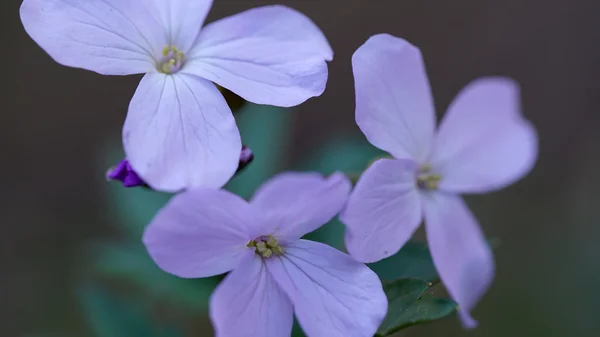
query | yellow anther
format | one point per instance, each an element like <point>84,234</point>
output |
<point>427,180</point>
<point>171,60</point>
<point>266,246</point>
<point>261,247</point>
<point>278,250</point>
<point>272,242</point>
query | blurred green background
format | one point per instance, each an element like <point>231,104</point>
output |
<point>71,263</point>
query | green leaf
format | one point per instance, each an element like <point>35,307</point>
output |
<point>413,260</point>
<point>348,154</point>
<point>130,263</point>
<point>297,330</point>
<point>407,306</point>
<point>427,309</point>
<point>266,130</point>
<point>108,315</point>
<point>401,294</point>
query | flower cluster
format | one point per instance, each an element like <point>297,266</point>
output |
<point>180,136</point>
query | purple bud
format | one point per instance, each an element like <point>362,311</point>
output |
<point>124,172</point>
<point>246,157</point>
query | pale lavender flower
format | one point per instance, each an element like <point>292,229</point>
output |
<point>482,144</point>
<point>179,131</point>
<point>205,232</point>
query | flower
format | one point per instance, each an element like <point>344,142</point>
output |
<point>246,157</point>
<point>179,131</point>
<point>482,144</point>
<point>205,232</point>
<point>124,172</point>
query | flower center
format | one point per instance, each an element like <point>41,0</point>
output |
<point>171,60</point>
<point>428,180</point>
<point>265,246</point>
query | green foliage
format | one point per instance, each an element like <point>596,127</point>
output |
<point>134,207</point>
<point>408,304</point>
<point>350,155</point>
<point>112,315</point>
<point>413,260</point>
<point>266,130</point>
<point>129,263</point>
<point>297,330</point>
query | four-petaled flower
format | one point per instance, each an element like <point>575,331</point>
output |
<point>483,144</point>
<point>205,232</point>
<point>179,131</point>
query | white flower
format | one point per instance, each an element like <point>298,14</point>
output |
<point>179,131</point>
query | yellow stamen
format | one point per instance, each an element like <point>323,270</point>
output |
<point>428,180</point>
<point>266,246</point>
<point>171,61</point>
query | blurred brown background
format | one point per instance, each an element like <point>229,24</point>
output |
<point>55,119</point>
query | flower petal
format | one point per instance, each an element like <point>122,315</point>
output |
<point>394,107</point>
<point>182,20</point>
<point>383,211</point>
<point>333,295</point>
<point>249,303</point>
<point>268,55</point>
<point>110,37</point>
<point>299,203</point>
<point>200,233</point>
<point>484,143</point>
<point>180,133</point>
<point>460,252</point>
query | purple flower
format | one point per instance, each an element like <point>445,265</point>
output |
<point>179,131</point>
<point>124,173</point>
<point>205,232</point>
<point>483,144</point>
<point>246,157</point>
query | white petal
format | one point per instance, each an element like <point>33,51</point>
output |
<point>383,211</point>
<point>484,143</point>
<point>180,133</point>
<point>333,295</point>
<point>249,303</point>
<point>460,252</point>
<point>182,20</point>
<point>394,107</point>
<point>268,55</point>
<point>112,37</point>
